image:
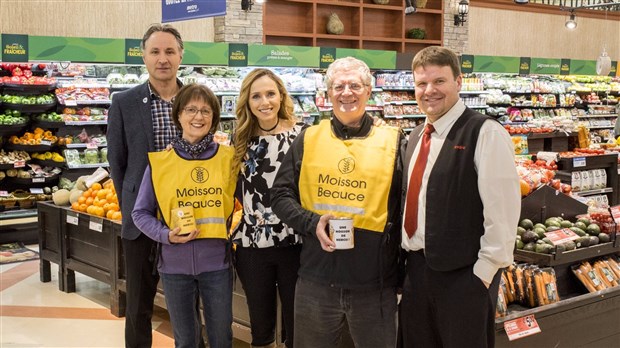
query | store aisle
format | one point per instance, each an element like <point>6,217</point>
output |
<point>36,314</point>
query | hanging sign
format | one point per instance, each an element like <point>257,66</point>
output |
<point>467,63</point>
<point>524,65</point>
<point>14,48</point>
<point>545,66</point>
<point>206,53</point>
<point>180,10</point>
<point>375,59</point>
<point>280,55</point>
<point>565,67</point>
<point>328,55</point>
<point>133,52</point>
<point>497,64</point>
<point>237,54</point>
<point>582,67</point>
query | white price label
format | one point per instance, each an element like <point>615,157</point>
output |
<point>19,164</point>
<point>4,193</point>
<point>46,142</point>
<point>579,162</point>
<point>95,226</point>
<point>70,103</point>
<point>72,220</point>
<point>91,146</point>
<point>36,190</point>
<point>38,180</point>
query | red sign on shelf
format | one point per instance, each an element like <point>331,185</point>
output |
<point>615,213</point>
<point>561,236</point>
<point>521,327</point>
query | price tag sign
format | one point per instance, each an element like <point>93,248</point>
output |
<point>72,218</point>
<point>91,146</point>
<point>19,164</point>
<point>561,236</point>
<point>38,180</point>
<point>4,193</point>
<point>615,213</point>
<point>70,103</point>
<point>521,327</point>
<point>579,162</point>
<point>36,190</point>
<point>46,142</point>
<point>96,224</point>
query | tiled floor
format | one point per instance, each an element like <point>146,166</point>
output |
<point>36,314</point>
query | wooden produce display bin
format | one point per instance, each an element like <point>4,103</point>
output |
<point>51,241</point>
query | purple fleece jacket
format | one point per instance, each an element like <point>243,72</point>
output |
<point>191,258</point>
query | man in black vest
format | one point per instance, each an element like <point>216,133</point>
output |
<point>461,209</point>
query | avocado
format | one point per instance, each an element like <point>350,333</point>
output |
<point>540,232</point>
<point>570,245</point>
<point>520,231</point>
<point>604,237</point>
<point>529,246</point>
<point>519,244</point>
<point>578,231</point>
<point>547,240</point>
<point>527,224</point>
<point>542,247</point>
<point>585,221</point>
<point>553,228</point>
<point>593,240</point>
<point>540,225</point>
<point>581,225</point>
<point>529,236</point>
<point>582,242</point>
<point>566,224</point>
<point>593,229</point>
<point>552,223</point>
<point>560,248</point>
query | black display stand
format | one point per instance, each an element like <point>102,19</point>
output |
<point>579,319</point>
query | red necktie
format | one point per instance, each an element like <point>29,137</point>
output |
<point>411,216</point>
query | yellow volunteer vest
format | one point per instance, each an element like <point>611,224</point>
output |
<point>349,178</point>
<point>204,184</point>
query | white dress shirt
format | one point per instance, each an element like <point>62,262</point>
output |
<point>498,184</point>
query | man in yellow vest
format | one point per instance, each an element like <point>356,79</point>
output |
<point>344,169</point>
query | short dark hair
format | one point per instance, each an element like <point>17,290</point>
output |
<point>194,91</point>
<point>166,28</point>
<point>439,56</point>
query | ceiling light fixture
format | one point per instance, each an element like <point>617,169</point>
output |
<point>461,17</point>
<point>571,23</point>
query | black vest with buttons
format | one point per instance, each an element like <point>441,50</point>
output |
<point>454,210</point>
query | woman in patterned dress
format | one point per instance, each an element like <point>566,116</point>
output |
<point>267,250</point>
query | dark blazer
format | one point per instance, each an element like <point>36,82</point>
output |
<point>130,137</point>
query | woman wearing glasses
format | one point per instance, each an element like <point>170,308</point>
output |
<point>267,250</point>
<point>194,178</point>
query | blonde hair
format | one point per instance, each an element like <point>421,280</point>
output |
<point>247,124</point>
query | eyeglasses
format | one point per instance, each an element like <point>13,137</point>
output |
<point>191,111</point>
<point>355,87</point>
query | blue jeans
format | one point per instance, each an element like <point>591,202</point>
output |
<point>215,290</point>
<point>320,313</point>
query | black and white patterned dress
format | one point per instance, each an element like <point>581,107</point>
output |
<point>259,226</point>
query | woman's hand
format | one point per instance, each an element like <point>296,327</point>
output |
<point>321,233</point>
<point>175,238</point>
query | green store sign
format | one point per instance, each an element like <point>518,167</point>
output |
<point>23,48</point>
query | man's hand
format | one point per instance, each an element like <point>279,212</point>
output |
<point>174,238</point>
<point>322,234</point>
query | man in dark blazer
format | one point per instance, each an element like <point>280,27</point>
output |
<point>462,205</point>
<point>139,122</point>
